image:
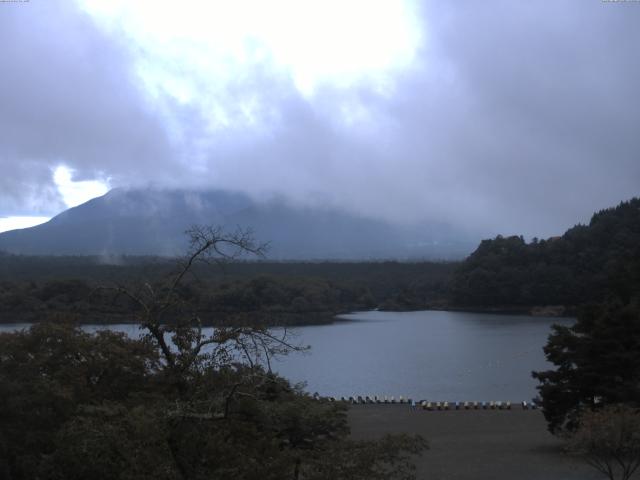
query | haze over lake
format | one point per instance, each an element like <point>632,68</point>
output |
<point>433,355</point>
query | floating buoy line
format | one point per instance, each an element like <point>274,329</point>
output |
<point>430,405</point>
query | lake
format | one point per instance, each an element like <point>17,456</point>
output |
<point>436,355</point>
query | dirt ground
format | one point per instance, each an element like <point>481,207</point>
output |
<point>476,444</point>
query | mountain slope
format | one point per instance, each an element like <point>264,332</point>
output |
<point>139,222</point>
<point>589,263</point>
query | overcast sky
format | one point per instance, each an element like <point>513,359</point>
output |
<point>496,116</point>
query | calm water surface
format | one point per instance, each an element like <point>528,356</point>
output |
<point>429,354</point>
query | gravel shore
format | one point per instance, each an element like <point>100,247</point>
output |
<point>475,444</point>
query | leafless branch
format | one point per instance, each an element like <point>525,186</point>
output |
<point>188,342</point>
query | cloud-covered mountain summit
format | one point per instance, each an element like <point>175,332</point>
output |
<point>152,222</point>
<point>510,117</point>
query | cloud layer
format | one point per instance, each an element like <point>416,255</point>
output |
<point>509,117</point>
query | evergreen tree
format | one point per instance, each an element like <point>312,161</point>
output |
<point>597,363</point>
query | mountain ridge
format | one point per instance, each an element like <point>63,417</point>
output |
<point>152,222</point>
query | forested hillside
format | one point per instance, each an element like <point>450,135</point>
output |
<point>41,288</point>
<point>589,263</point>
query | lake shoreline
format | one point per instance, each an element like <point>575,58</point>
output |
<point>452,356</point>
<point>475,444</point>
<point>277,319</point>
<point>559,311</point>
<point>285,319</point>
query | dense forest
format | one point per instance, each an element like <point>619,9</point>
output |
<point>41,288</point>
<point>589,263</point>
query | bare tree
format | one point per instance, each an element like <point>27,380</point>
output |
<point>609,440</point>
<point>163,311</point>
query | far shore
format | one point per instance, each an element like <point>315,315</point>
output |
<point>560,311</point>
<point>279,319</point>
<point>475,444</point>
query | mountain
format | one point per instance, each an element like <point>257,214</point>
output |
<point>152,222</point>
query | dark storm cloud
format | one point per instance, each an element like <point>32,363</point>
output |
<point>515,117</point>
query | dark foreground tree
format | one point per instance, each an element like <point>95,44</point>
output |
<point>609,440</point>
<point>175,403</point>
<point>597,363</point>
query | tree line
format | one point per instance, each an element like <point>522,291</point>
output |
<point>40,288</point>
<point>589,263</point>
